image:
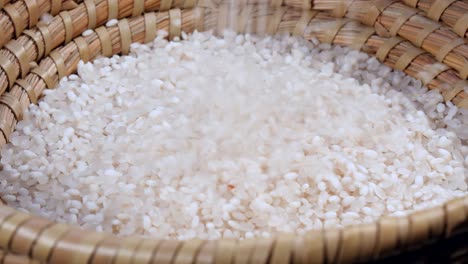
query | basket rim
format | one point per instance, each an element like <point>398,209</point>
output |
<point>333,244</point>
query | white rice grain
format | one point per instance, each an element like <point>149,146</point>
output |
<point>112,23</point>
<point>236,137</point>
<point>46,18</point>
<point>87,32</point>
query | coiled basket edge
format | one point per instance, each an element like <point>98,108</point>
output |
<point>57,48</point>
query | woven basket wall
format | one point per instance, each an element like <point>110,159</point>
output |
<point>426,39</point>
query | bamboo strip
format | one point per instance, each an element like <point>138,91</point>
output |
<point>387,17</point>
<point>451,13</point>
<point>5,2</point>
<point>9,258</point>
<point>391,18</point>
<point>433,42</point>
<point>23,14</point>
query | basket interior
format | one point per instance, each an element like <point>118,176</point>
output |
<point>24,237</point>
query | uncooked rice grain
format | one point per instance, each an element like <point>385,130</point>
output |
<point>112,22</point>
<point>46,18</point>
<point>87,32</point>
<point>240,136</point>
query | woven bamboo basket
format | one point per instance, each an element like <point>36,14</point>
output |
<point>34,58</point>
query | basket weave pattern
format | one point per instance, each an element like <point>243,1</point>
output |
<point>452,13</point>
<point>57,48</point>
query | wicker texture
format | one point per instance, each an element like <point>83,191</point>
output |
<point>450,12</point>
<point>29,239</point>
<point>394,18</point>
<point>21,15</point>
<point>5,2</point>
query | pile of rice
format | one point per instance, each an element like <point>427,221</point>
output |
<point>239,137</point>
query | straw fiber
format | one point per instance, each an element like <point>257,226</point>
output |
<point>394,18</point>
<point>452,13</point>
<point>36,59</point>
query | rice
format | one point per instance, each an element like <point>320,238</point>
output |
<point>87,32</point>
<point>112,22</point>
<point>240,137</point>
<point>46,18</point>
